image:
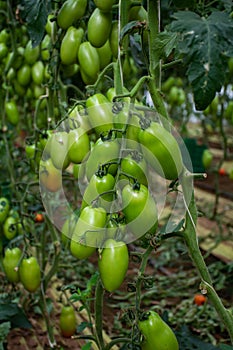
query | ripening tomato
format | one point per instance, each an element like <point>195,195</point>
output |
<point>50,177</point>
<point>199,299</point>
<point>67,321</point>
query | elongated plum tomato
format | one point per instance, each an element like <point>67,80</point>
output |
<point>88,233</point>
<point>50,177</point>
<point>157,334</point>
<point>67,321</point>
<point>113,264</point>
<point>29,274</point>
<point>161,150</point>
<point>71,11</point>
<point>59,150</point>
<point>99,27</point>
<point>78,145</point>
<point>10,264</point>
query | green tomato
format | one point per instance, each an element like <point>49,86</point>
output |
<point>140,210</point>
<point>161,151</point>
<point>67,321</point>
<point>207,158</point>
<point>59,150</point>
<point>3,50</point>
<point>137,13</point>
<point>99,27</point>
<point>24,75</point>
<point>45,48</point>
<point>78,145</point>
<point>5,36</point>
<point>100,113</point>
<point>103,152</point>
<point>29,274</point>
<point>157,334</point>
<point>167,84</point>
<point>89,62</point>
<point>134,165</point>
<point>70,45</point>
<point>4,209</point>
<point>99,183</point>
<point>50,177</point>
<point>12,112</point>
<point>105,55</point>
<point>31,54</point>
<point>11,263</point>
<point>88,233</point>
<point>10,227</point>
<point>38,71</point>
<point>104,5</point>
<point>113,264</point>
<point>79,118</point>
<point>71,11</point>
<point>114,39</point>
<point>68,229</point>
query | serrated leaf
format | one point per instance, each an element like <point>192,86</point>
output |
<point>166,42</point>
<point>205,44</point>
<point>35,14</point>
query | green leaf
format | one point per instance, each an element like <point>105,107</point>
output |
<point>87,346</point>
<point>166,42</point>
<point>35,14</point>
<point>83,325</point>
<point>188,342</point>
<point>205,44</point>
<point>131,28</point>
<point>4,330</point>
<point>14,314</point>
<point>225,347</point>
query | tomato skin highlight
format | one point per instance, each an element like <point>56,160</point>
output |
<point>10,263</point>
<point>70,45</point>
<point>157,334</point>
<point>50,176</point>
<point>88,232</point>
<point>29,274</point>
<point>67,321</point>
<point>71,11</point>
<point>59,150</point>
<point>12,112</point>
<point>161,150</point>
<point>78,145</point>
<point>99,27</point>
<point>88,59</point>
<point>113,264</point>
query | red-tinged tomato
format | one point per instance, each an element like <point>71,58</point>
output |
<point>50,176</point>
<point>113,264</point>
<point>29,274</point>
<point>89,232</point>
<point>59,149</point>
<point>67,321</point>
<point>99,27</point>
<point>11,262</point>
<point>199,299</point>
<point>78,145</point>
<point>222,172</point>
<point>39,217</point>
